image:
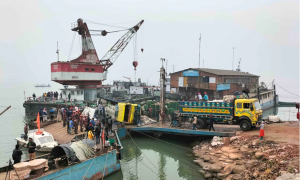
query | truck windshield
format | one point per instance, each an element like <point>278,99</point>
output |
<point>257,105</point>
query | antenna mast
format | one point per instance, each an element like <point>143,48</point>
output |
<point>57,52</point>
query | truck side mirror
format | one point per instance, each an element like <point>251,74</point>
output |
<point>251,108</point>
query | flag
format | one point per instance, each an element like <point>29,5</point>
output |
<point>103,137</point>
<point>38,124</point>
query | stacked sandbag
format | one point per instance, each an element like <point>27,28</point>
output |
<point>228,98</point>
<point>110,110</point>
<point>274,119</point>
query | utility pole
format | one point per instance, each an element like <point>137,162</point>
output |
<point>162,89</point>
<point>173,67</point>
<point>199,65</point>
<point>199,50</point>
<point>232,57</point>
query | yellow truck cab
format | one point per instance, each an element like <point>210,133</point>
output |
<point>247,113</point>
<point>126,113</point>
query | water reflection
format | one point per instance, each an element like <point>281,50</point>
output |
<point>166,161</point>
<point>285,113</point>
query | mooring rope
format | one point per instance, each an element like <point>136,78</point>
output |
<point>144,154</point>
<point>164,141</point>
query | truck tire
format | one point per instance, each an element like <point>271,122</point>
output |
<point>200,124</point>
<point>245,125</point>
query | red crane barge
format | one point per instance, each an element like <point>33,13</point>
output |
<point>88,70</point>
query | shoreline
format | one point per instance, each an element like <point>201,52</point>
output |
<point>245,156</point>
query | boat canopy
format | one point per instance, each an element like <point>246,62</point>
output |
<point>74,152</point>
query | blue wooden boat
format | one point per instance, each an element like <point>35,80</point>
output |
<point>93,168</point>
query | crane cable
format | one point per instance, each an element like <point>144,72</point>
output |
<point>103,24</point>
<point>70,52</point>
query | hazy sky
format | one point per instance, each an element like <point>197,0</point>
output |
<point>265,35</point>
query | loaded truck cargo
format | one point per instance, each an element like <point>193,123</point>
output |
<point>244,112</point>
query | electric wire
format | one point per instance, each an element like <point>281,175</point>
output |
<point>287,90</point>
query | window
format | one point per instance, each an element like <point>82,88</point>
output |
<point>205,79</point>
<point>78,92</point>
<point>64,92</point>
<point>45,139</point>
<point>246,105</point>
<point>72,92</point>
<point>81,92</point>
<point>86,69</point>
<point>92,69</point>
<point>239,105</point>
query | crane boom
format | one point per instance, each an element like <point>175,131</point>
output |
<point>111,56</point>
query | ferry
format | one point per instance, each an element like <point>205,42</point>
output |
<point>42,85</point>
<point>267,98</point>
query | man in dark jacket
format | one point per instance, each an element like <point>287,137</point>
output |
<point>33,96</point>
<point>17,154</point>
<point>31,149</point>
<point>98,132</point>
<point>211,122</point>
<point>41,114</point>
<point>69,96</point>
<point>109,123</point>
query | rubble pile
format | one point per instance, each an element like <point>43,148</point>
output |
<point>246,158</point>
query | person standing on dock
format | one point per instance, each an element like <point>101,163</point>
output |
<point>205,96</point>
<point>199,97</point>
<point>44,114</point>
<point>70,126</point>
<point>157,115</point>
<point>162,115</point>
<point>98,132</point>
<point>33,96</point>
<point>31,149</point>
<point>17,154</point>
<point>64,118</point>
<point>194,122</point>
<point>69,96</point>
<point>60,95</point>
<point>41,114</point>
<point>81,123</point>
<point>76,125</point>
<point>68,129</point>
<point>109,123</point>
<point>150,112</point>
<point>211,122</point>
<point>26,132</point>
<point>262,130</point>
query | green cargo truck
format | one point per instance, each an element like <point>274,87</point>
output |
<point>244,112</point>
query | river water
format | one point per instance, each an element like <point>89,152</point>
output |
<point>153,160</point>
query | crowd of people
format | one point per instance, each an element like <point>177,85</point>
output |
<point>74,121</point>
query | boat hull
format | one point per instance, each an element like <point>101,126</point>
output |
<point>91,169</point>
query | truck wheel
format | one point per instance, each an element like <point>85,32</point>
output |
<point>245,125</point>
<point>200,124</point>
